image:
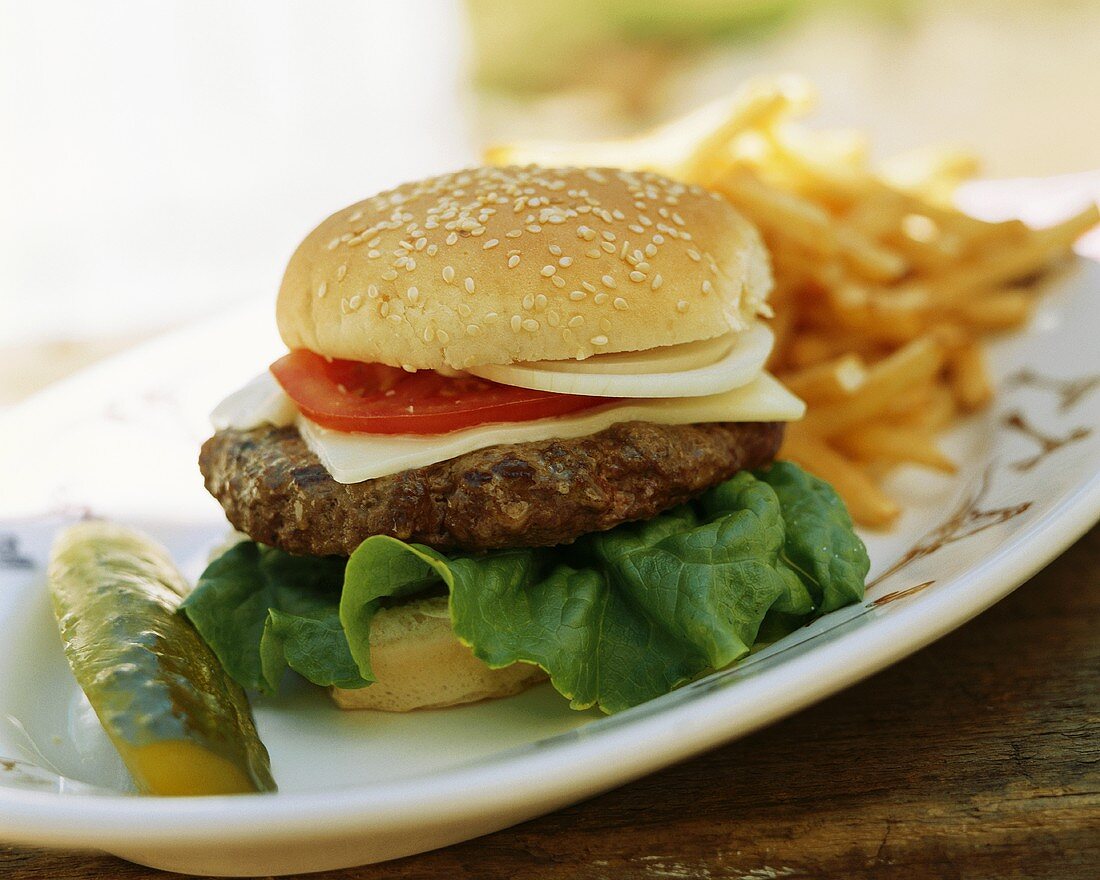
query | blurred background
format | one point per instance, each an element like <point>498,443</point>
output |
<point>160,160</point>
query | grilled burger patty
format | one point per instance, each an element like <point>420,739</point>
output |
<point>516,495</point>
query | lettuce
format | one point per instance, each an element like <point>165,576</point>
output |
<point>615,619</point>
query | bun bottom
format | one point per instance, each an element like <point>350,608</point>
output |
<point>419,663</point>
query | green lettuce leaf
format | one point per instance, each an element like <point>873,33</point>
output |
<point>615,619</point>
<point>262,610</point>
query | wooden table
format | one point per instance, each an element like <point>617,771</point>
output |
<point>977,757</point>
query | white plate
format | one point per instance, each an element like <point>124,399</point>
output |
<point>120,440</point>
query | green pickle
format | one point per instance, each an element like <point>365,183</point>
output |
<point>180,723</point>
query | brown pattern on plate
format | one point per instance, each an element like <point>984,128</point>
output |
<point>1047,445</point>
<point>901,594</point>
<point>967,519</point>
<point>1070,391</point>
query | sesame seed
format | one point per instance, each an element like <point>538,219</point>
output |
<point>529,301</point>
<point>547,271</point>
<point>513,233</point>
<point>332,245</point>
<point>530,325</point>
<point>651,250</point>
<point>594,253</point>
<point>358,215</point>
<point>541,301</point>
<point>421,243</point>
<point>608,281</point>
<point>565,262</point>
<point>513,261</point>
<point>452,238</point>
<point>677,219</point>
<point>413,295</point>
<point>707,286</point>
<point>372,291</point>
<point>637,276</point>
<point>443,336</point>
<point>433,249</point>
<point>620,304</point>
<point>589,286</point>
<point>534,227</point>
<point>472,329</point>
<point>555,250</point>
<point>469,285</point>
<point>577,295</point>
<point>608,247</point>
<point>694,254</point>
<point>605,324</point>
<point>491,243</point>
<point>601,298</point>
<point>322,289</point>
<point>623,250</point>
<point>341,272</point>
<point>634,227</point>
<point>373,254</point>
<point>429,334</point>
<point>448,274</point>
<point>586,233</point>
<point>682,305</point>
<point>396,319</point>
<point>658,239</point>
<point>598,340</point>
<point>558,281</point>
<point>553,318</point>
<point>516,323</point>
<point>608,235</point>
<point>656,282</point>
<point>576,321</point>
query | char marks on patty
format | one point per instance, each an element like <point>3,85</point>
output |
<point>543,493</point>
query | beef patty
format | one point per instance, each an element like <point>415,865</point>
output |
<point>516,495</point>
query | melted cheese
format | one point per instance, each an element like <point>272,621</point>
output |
<point>353,458</point>
<point>261,402</point>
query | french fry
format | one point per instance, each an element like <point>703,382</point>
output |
<point>868,505</point>
<point>1010,263</point>
<point>829,380</point>
<point>895,444</point>
<point>998,311</point>
<point>917,362</point>
<point>798,219</point>
<point>934,413</point>
<point>969,377</point>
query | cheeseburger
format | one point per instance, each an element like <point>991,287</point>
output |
<point>523,430</point>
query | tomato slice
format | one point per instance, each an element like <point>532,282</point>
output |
<point>378,399</point>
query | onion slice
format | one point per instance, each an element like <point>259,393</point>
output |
<point>695,369</point>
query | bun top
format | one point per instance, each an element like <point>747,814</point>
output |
<point>500,265</point>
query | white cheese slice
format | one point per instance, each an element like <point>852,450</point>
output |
<point>261,402</point>
<point>353,458</point>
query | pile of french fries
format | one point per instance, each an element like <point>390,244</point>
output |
<point>884,290</point>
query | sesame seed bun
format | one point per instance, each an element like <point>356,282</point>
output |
<point>420,664</point>
<point>500,265</point>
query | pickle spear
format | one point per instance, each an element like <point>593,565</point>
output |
<point>180,723</point>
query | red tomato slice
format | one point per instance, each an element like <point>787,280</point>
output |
<point>378,399</point>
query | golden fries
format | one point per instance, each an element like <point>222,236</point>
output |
<point>883,288</point>
<point>896,445</point>
<point>867,503</point>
